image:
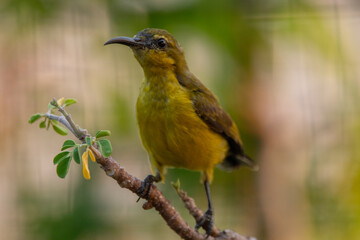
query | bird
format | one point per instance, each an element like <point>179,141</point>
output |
<point>181,122</point>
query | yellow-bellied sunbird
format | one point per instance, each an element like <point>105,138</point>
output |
<point>181,122</point>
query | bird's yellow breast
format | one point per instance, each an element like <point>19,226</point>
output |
<point>172,132</point>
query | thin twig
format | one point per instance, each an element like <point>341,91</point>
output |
<point>194,210</point>
<point>76,130</point>
<point>198,215</point>
<point>62,120</point>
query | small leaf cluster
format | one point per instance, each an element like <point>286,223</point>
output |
<point>63,159</point>
<point>81,153</point>
<point>70,150</point>
<point>46,123</point>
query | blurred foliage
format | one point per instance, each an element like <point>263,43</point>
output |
<point>24,10</point>
<point>223,21</point>
<point>122,120</point>
<point>51,218</point>
<point>329,213</point>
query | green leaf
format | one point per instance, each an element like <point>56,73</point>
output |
<point>43,124</point>
<point>60,156</point>
<point>59,129</point>
<point>88,141</point>
<point>76,155</point>
<point>35,117</point>
<point>105,147</point>
<point>62,168</point>
<point>103,133</point>
<point>69,101</point>
<point>68,144</point>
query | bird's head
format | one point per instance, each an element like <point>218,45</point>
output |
<point>154,49</point>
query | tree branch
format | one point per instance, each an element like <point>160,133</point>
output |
<point>155,198</point>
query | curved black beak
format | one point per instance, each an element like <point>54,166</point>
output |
<point>131,42</point>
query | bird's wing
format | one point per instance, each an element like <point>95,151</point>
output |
<point>209,110</point>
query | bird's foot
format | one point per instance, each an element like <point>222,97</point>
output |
<point>206,222</point>
<point>144,190</point>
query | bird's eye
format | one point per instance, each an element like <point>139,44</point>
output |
<point>161,43</point>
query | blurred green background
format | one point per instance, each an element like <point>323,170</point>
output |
<point>286,71</point>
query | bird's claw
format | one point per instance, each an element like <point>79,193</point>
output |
<point>144,190</point>
<point>206,222</point>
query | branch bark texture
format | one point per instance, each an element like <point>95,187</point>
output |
<point>157,200</point>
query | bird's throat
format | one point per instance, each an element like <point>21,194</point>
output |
<point>158,73</point>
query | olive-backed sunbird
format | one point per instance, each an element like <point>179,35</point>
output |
<point>181,122</point>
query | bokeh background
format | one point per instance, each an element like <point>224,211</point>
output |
<point>287,71</point>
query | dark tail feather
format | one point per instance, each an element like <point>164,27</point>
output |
<point>234,161</point>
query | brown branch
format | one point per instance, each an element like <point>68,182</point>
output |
<point>155,199</point>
